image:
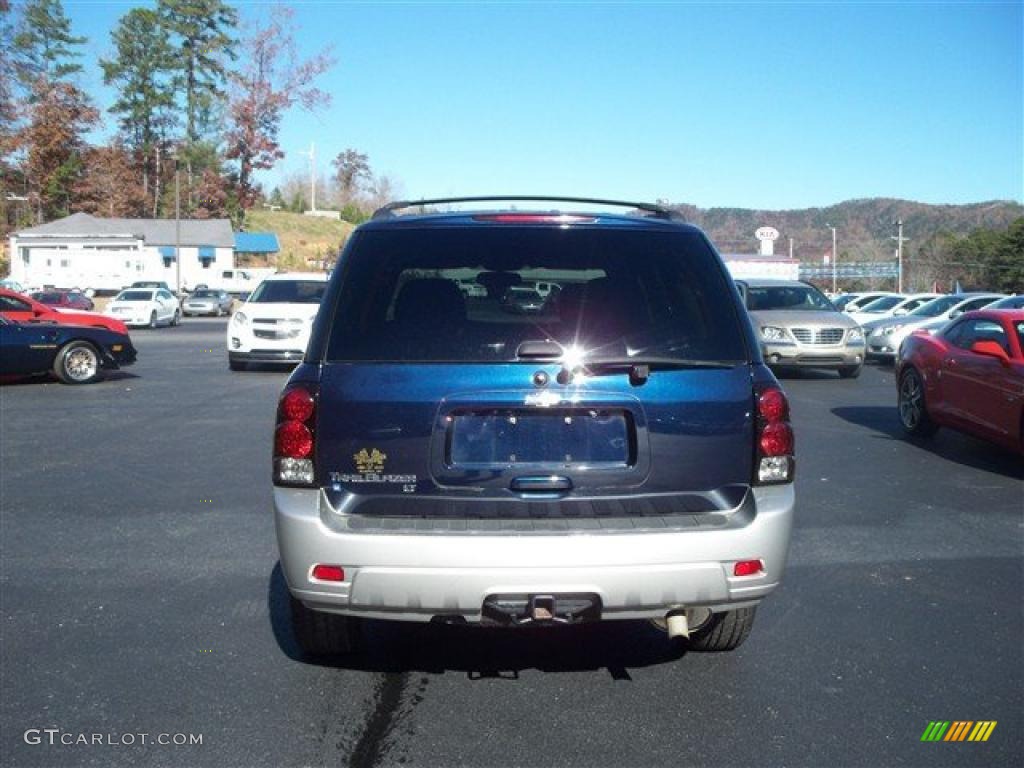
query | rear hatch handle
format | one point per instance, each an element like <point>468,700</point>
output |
<point>545,484</point>
<point>537,349</point>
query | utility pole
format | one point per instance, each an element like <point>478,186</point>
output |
<point>900,239</point>
<point>177,228</point>
<point>312,174</point>
<point>791,248</point>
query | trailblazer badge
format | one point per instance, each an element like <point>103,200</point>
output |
<point>368,464</point>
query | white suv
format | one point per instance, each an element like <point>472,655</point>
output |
<point>273,324</point>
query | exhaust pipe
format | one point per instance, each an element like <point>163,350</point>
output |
<point>677,625</point>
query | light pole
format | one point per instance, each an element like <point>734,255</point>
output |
<point>835,258</point>
<point>899,254</point>
<point>177,229</point>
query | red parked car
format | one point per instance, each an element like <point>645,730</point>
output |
<point>64,299</point>
<point>15,306</point>
<point>968,376</point>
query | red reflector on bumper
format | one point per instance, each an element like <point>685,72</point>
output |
<point>328,572</point>
<point>747,568</point>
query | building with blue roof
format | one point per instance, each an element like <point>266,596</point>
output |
<point>85,251</point>
<point>263,244</point>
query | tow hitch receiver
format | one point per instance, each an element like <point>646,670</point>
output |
<point>541,609</point>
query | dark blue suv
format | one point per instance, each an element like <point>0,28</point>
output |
<point>531,417</point>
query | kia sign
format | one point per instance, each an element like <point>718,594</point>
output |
<point>767,236</point>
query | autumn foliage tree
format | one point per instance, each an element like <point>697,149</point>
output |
<point>109,185</point>
<point>351,169</point>
<point>9,171</point>
<point>213,197</point>
<point>53,146</point>
<point>272,79</point>
<point>176,98</point>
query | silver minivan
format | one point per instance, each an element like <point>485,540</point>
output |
<point>798,326</point>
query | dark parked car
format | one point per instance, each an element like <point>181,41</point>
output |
<point>968,376</point>
<point>75,354</point>
<point>64,299</point>
<point>627,455</point>
<point>522,300</point>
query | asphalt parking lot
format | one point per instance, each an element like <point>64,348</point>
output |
<point>140,595</point>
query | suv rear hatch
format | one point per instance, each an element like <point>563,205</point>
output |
<point>627,393</point>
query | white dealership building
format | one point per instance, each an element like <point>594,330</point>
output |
<point>84,251</point>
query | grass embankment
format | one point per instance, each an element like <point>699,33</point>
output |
<point>306,241</point>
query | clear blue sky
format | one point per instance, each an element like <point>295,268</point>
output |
<point>748,104</point>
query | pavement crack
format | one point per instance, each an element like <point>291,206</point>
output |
<point>373,743</point>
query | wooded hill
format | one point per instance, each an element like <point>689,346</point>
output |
<point>864,227</point>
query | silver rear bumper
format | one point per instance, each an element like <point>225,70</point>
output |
<point>416,576</point>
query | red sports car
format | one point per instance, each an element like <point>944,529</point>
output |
<point>968,376</point>
<point>64,299</point>
<point>15,306</point>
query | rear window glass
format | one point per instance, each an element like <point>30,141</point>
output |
<point>1010,302</point>
<point>135,296</point>
<point>288,292</point>
<point>476,294</point>
<point>882,304</point>
<point>936,307</point>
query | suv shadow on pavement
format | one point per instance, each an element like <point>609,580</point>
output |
<point>483,652</point>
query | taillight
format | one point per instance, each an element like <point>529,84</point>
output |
<point>775,441</point>
<point>294,439</point>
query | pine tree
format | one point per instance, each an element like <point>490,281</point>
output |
<point>44,47</point>
<point>141,71</point>
<point>203,35</point>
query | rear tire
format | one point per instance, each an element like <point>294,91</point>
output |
<point>724,631</point>
<point>911,405</point>
<point>323,634</point>
<point>152,320</point>
<point>849,371</point>
<point>77,363</point>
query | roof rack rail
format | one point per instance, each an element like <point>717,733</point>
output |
<point>654,210</point>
